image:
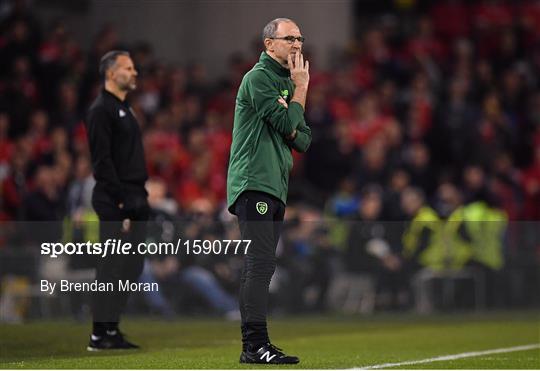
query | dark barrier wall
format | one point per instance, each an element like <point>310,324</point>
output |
<point>205,31</point>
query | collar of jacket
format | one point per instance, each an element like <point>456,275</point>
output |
<point>110,95</point>
<point>274,65</point>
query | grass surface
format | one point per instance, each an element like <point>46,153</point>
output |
<point>320,342</point>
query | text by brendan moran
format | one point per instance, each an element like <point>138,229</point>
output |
<point>96,286</point>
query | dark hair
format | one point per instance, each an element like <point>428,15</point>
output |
<point>371,189</point>
<point>269,30</point>
<point>108,60</point>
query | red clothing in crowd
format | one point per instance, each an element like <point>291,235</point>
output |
<point>531,187</point>
<point>451,19</point>
<point>364,131</point>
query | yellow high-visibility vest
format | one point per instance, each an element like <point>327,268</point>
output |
<point>446,248</point>
<point>486,227</point>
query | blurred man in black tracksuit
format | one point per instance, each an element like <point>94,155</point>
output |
<point>119,197</point>
<point>372,244</point>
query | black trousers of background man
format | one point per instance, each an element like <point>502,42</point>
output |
<point>263,229</point>
<point>107,306</point>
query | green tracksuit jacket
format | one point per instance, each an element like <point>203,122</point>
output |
<point>261,157</point>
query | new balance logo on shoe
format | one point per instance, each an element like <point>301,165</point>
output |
<point>268,356</point>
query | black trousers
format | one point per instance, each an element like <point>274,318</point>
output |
<point>260,217</point>
<point>107,306</point>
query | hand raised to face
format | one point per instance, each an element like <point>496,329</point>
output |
<point>299,70</point>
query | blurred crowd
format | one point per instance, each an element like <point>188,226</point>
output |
<point>425,116</point>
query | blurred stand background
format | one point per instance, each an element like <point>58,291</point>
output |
<point>420,192</point>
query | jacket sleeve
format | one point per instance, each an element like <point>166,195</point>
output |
<point>99,125</point>
<point>264,98</point>
<point>303,138</point>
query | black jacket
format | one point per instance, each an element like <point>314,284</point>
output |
<point>116,146</point>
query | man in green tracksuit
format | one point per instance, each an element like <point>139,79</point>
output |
<point>268,124</point>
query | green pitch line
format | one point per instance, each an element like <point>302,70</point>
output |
<point>321,342</point>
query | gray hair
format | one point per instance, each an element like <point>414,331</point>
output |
<point>109,59</point>
<point>269,31</point>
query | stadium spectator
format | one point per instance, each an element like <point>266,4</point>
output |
<point>370,251</point>
<point>179,272</point>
